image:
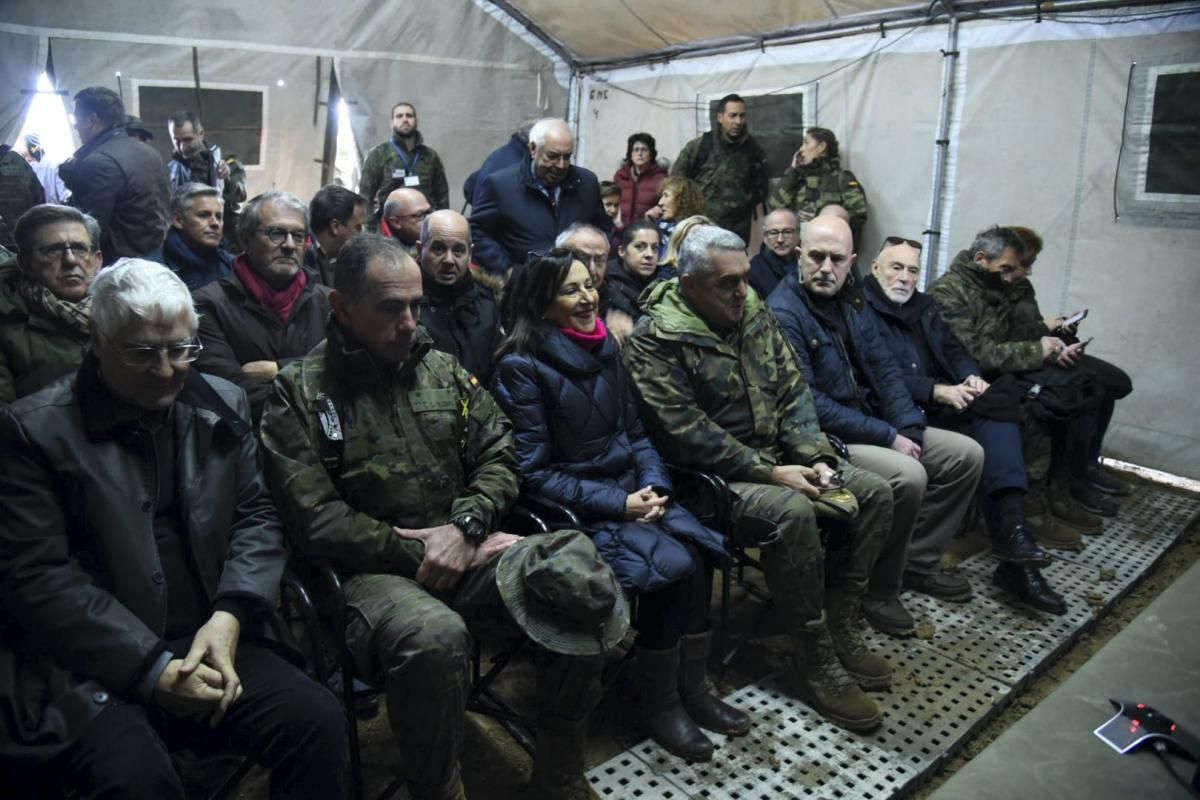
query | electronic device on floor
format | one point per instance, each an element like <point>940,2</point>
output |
<point>1137,724</point>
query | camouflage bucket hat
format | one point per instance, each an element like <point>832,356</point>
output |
<point>562,594</point>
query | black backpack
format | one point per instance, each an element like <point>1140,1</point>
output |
<point>1053,394</point>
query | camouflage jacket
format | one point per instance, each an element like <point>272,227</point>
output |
<point>807,189</point>
<point>384,171</point>
<point>1028,321</point>
<point>733,178</point>
<point>981,311</point>
<point>422,442</point>
<point>20,190</point>
<point>736,405</point>
<point>202,168</point>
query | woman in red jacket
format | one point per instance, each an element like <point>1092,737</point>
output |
<point>639,178</point>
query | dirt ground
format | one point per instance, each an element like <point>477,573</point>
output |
<point>495,766</point>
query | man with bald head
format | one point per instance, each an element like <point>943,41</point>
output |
<point>523,207</point>
<point>777,254</point>
<point>459,309</point>
<point>861,398</point>
<point>403,213</point>
<point>944,380</point>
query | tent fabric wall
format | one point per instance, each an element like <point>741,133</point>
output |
<point>1039,111</point>
<point>472,78</point>
<point>18,65</point>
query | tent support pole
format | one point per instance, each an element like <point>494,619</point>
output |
<point>933,234</point>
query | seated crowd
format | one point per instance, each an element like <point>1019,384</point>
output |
<point>381,400</point>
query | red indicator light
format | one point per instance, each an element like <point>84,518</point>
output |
<point>1141,705</point>
<point>1173,727</point>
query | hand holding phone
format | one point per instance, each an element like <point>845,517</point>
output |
<point>1075,319</point>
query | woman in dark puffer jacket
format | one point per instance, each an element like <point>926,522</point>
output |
<point>581,444</point>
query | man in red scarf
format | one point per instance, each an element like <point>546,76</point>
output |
<point>270,309</point>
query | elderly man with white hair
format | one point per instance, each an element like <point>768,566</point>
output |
<point>523,207</point>
<point>140,560</point>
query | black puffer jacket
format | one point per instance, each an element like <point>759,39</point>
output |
<point>624,288</point>
<point>580,443</point>
<point>463,319</point>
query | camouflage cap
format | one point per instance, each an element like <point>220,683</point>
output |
<point>562,594</point>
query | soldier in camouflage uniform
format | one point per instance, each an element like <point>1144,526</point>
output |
<point>981,297</point>
<point>390,461</point>
<point>721,392</point>
<point>730,167</point>
<point>816,179</point>
<point>20,190</point>
<point>403,160</point>
<point>194,160</point>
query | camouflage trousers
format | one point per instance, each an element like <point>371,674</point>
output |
<point>783,524</point>
<point>417,645</point>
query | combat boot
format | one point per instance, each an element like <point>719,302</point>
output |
<point>843,606</point>
<point>1047,528</point>
<point>558,761</point>
<point>451,789</point>
<point>699,696</point>
<point>1066,508</point>
<point>663,714</point>
<point>819,680</point>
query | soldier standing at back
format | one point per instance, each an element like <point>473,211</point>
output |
<point>816,179</point>
<point>194,160</point>
<point>403,161</point>
<point>730,167</point>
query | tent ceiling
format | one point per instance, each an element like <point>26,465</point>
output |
<point>621,29</point>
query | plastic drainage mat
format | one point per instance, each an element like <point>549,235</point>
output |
<point>944,686</point>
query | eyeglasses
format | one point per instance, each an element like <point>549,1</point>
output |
<point>144,355</point>
<point>894,240</point>
<point>553,252</point>
<point>597,260</point>
<point>777,232</point>
<point>277,236</point>
<point>60,251</point>
<point>417,215</point>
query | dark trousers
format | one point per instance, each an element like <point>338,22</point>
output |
<point>283,719</point>
<point>1115,384</point>
<point>678,608</point>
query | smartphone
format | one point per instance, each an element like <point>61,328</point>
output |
<point>1074,319</point>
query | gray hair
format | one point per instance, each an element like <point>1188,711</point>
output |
<point>185,195</point>
<point>248,219</point>
<point>537,134</point>
<point>93,229</point>
<point>134,288</point>
<point>994,241</point>
<point>350,277</point>
<point>574,228</point>
<point>699,245</point>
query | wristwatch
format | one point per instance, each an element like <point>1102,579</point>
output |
<point>472,528</point>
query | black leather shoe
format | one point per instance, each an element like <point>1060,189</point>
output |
<point>1028,585</point>
<point>1107,482</point>
<point>1015,544</point>
<point>888,616</point>
<point>942,585</point>
<point>1094,499</point>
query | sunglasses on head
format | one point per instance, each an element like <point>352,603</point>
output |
<point>894,240</point>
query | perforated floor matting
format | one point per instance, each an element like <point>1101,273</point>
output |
<point>944,687</point>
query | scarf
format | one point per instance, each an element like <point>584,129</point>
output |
<point>588,341</point>
<point>279,302</point>
<point>74,315</point>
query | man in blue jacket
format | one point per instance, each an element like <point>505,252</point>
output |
<point>861,398</point>
<point>524,206</point>
<point>945,382</point>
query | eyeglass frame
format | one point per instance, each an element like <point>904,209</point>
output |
<point>58,251</point>
<point>297,240</point>
<point>772,233</point>
<point>892,241</point>
<point>193,346</point>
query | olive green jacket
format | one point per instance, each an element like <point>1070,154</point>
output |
<point>423,442</point>
<point>380,174</point>
<point>733,178</point>
<point>733,404</point>
<point>35,349</point>
<point>807,189</point>
<point>982,309</point>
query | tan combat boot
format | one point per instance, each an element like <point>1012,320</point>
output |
<point>1047,529</point>
<point>819,679</point>
<point>843,606</point>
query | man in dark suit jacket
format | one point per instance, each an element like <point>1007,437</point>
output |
<point>523,207</point>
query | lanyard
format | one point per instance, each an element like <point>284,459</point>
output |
<point>409,167</point>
